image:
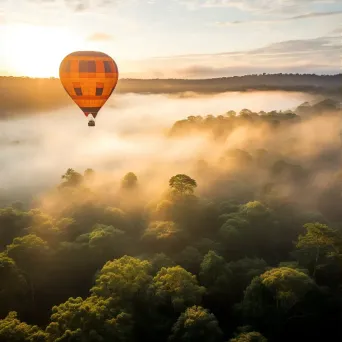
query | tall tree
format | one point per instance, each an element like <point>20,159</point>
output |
<point>316,244</point>
<point>196,324</point>
<point>182,184</point>
<point>129,181</point>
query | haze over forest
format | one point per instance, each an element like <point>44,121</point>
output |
<point>204,211</point>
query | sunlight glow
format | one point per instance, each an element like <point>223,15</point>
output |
<point>37,51</point>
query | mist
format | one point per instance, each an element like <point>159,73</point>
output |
<point>186,187</point>
<point>131,135</point>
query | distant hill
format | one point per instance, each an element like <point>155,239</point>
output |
<point>27,95</point>
<point>289,82</point>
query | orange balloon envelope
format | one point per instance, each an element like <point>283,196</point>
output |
<point>89,77</point>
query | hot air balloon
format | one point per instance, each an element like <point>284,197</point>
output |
<point>89,77</point>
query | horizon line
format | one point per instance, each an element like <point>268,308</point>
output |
<point>187,79</point>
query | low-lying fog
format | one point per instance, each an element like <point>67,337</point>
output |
<point>129,136</point>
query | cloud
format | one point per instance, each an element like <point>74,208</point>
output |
<point>326,47</point>
<point>100,36</point>
<point>78,5</point>
<point>258,6</point>
<point>337,31</point>
<point>203,72</point>
<point>75,5</point>
<point>302,16</point>
<point>320,55</point>
<point>320,44</point>
<point>315,14</point>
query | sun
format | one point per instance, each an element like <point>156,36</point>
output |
<point>37,51</point>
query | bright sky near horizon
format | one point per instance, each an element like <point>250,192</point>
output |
<point>174,38</point>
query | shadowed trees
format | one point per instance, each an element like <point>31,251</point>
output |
<point>180,267</point>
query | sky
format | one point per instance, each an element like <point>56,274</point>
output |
<point>173,38</point>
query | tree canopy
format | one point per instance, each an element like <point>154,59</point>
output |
<point>238,249</point>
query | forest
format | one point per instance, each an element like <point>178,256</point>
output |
<point>245,247</point>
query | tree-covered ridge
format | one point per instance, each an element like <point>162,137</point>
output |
<point>221,125</point>
<point>180,267</point>
<point>21,95</point>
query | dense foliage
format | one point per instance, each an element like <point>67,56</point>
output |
<point>239,260</point>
